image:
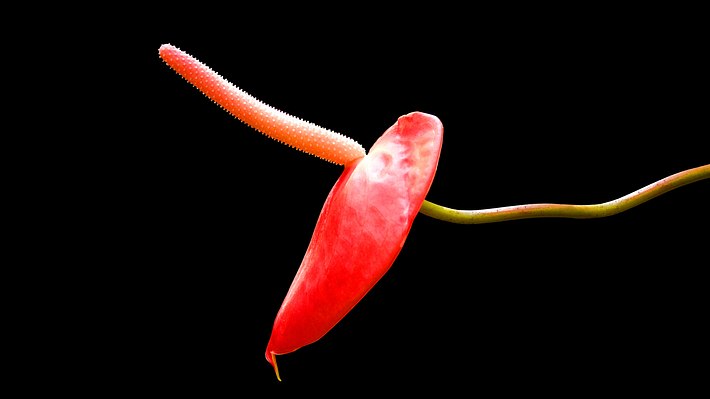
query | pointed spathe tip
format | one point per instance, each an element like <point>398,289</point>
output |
<point>271,358</point>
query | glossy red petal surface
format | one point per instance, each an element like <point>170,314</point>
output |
<point>360,231</point>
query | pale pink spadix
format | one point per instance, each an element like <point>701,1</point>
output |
<point>294,132</point>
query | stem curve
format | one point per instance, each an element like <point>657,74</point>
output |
<point>546,210</point>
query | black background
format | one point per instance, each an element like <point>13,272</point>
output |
<point>202,222</point>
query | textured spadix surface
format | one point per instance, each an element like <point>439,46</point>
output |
<point>297,133</point>
<point>360,231</point>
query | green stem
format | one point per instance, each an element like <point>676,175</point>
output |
<point>528,211</point>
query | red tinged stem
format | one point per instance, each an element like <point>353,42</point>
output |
<point>360,231</point>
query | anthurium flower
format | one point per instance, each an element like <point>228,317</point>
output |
<point>368,214</point>
<point>365,219</point>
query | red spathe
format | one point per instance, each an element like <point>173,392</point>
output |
<point>360,231</point>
